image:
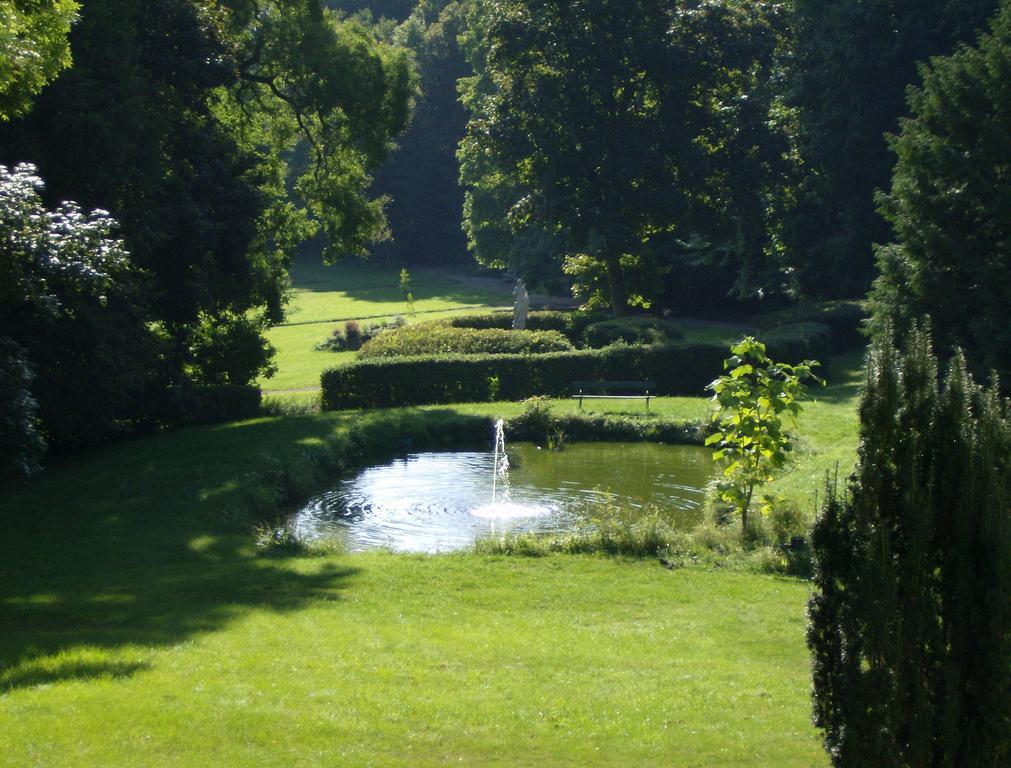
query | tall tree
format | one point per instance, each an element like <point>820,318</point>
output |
<point>853,62</point>
<point>179,116</point>
<point>422,176</point>
<point>33,49</point>
<point>950,205</point>
<point>910,620</point>
<point>614,125</point>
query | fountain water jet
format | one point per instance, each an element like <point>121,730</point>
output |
<point>500,472</point>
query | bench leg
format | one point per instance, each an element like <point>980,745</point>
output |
<point>580,401</point>
<point>647,402</point>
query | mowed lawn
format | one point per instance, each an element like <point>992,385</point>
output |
<point>325,297</point>
<point>142,627</point>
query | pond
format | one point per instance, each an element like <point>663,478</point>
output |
<point>437,502</point>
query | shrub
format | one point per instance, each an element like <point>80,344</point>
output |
<point>229,348</point>
<point>910,621</point>
<point>387,382</point>
<point>631,330</point>
<point>751,399</point>
<point>571,324</point>
<point>352,335</point>
<point>436,338</point>
<point>799,341</point>
<point>844,319</point>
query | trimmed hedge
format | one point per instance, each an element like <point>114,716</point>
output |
<point>800,341</point>
<point>571,324</point>
<point>678,369</point>
<point>595,427</point>
<point>434,339</point>
<point>387,382</point>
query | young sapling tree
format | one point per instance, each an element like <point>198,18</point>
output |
<point>750,400</point>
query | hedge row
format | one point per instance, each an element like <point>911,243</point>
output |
<point>677,369</point>
<point>435,339</point>
<point>391,382</point>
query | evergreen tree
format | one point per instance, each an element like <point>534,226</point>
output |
<point>853,61</point>
<point>950,205</point>
<point>910,623</point>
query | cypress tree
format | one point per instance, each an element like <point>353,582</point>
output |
<point>910,621</point>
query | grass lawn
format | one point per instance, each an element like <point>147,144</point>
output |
<point>141,627</point>
<point>323,298</point>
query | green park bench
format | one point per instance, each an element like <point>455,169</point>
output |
<point>613,390</point>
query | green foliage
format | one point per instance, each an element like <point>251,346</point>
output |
<point>33,49</point>
<point>21,445</point>
<point>421,176</point>
<point>750,401</point>
<point>436,338</point>
<point>186,404</point>
<point>853,61</point>
<point>71,301</point>
<point>910,622</point>
<point>538,423</point>
<point>632,330</point>
<point>571,324</point>
<point>678,369</point>
<point>845,320</point>
<point>353,336</point>
<point>601,131</point>
<point>229,349</point>
<point>221,136</point>
<point>405,288</point>
<point>798,339</point>
<point>385,382</point>
<point>948,206</point>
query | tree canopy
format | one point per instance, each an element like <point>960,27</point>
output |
<point>33,49</point>
<point>852,61</point>
<point>613,128</point>
<point>950,205</point>
<point>181,118</point>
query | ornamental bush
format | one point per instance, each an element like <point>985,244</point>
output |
<point>436,338</point>
<point>631,330</point>
<point>572,324</point>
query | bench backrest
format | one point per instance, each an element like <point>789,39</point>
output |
<point>614,386</point>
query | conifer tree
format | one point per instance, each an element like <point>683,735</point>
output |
<point>910,623</point>
<point>949,205</point>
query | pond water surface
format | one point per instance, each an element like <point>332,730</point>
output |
<point>436,502</point>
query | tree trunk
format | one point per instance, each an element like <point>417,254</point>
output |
<point>616,284</point>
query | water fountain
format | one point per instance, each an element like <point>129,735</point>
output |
<point>440,501</point>
<point>500,477</point>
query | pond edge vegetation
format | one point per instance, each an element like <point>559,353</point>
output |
<point>275,491</point>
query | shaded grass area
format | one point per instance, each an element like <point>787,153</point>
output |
<point>140,626</point>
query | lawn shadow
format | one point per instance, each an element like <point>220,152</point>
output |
<point>844,376</point>
<point>143,545</point>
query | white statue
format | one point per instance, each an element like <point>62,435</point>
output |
<point>521,303</point>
